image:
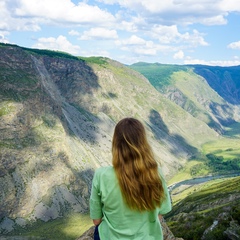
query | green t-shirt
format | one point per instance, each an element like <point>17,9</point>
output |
<point>118,221</point>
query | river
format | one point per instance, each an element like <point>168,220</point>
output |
<point>195,181</point>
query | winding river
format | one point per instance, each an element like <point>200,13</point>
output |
<point>195,181</point>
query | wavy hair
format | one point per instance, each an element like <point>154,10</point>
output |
<point>135,166</point>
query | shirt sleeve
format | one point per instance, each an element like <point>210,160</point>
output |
<point>95,198</point>
<point>166,205</point>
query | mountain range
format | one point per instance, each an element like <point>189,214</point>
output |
<point>58,112</point>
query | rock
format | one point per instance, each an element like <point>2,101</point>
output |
<point>167,234</point>
<point>233,231</point>
<point>88,235</point>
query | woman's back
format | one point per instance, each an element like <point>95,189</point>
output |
<point>127,198</point>
<point>118,220</point>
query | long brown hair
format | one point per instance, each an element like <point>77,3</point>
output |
<point>135,166</point>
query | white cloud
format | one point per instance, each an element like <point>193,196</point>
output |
<point>99,33</point>
<point>74,33</point>
<point>11,22</point>
<point>31,14</point>
<point>179,55</point>
<point>133,40</point>
<point>165,34</point>
<point>185,12</point>
<point>60,44</point>
<point>234,45</point>
<point>194,39</point>
<point>170,34</point>
<point>230,5</point>
<point>4,15</point>
<point>146,5</point>
<point>214,20</point>
<point>64,11</point>
<point>213,62</point>
<point>128,26</point>
<point>146,51</point>
<point>137,45</point>
<point>3,38</point>
<point>130,23</point>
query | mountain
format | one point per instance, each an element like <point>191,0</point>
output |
<point>57,115</point>
<point>211,94</point>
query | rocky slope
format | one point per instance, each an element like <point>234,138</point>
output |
<point>208,211</point>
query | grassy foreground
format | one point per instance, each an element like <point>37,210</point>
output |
<point>66,228</point>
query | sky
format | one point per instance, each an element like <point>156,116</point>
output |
<point>129,31</point>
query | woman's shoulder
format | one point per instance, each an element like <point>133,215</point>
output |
<point>105,174</point>
<point>104,170</point>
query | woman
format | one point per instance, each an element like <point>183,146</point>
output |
<point>128,199</point>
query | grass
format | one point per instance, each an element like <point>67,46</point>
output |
<point>206,192</point>
<point>158,74</point>
<point>184,173</point>
<point>96,60</point>
<point>66,228</point>
<point>228,148</point>
<point>6,107</point>
<point>196,208</point>
<point>50,53</point>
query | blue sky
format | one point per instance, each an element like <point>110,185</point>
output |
<point>129,31</point>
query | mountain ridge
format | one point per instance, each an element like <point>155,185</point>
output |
<point>205,97</point>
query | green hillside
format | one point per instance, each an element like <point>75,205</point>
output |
<point>158,74</point>
<point>207,93</point>
<point>196,209</point>
<point>191,87</point>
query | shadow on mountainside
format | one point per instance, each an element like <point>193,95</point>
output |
<point>51,85</point>
<point>81,181</point>
<point>70,84</point>
<point>177,144</point>
<point>38,92</point>
<point>220,111</point>
<point>224,80</point>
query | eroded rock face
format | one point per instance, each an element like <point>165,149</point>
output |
<point>167,234</point>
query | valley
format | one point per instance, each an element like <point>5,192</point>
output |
<point>57,115</point>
